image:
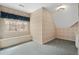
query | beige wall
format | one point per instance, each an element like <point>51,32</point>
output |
<point>48,26</point>
<point>0,7</point>
<point>8,38</point>
<point>64,19</point>
<point>6,42</point>
<point>5,33</point>
<point>42,27</point>
<point>12,38</point>
<point>67,33</point>
<point>36,25</point>
<point>3,26</point>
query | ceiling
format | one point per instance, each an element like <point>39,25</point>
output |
<point>62,18</point>
<point>30,7</point>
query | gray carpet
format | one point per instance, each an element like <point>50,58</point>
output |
<point>55,47</point>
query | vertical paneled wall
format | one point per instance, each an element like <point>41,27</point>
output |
<point>4,28</point>
<point>42,26</point>
<point>67,33</point>
<point>48,26</point>
<point>64,20</point>
<point>1,27</point>
<point>36,25</point>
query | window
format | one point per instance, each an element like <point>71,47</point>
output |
<point>17,25</point>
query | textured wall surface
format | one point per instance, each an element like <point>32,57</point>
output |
<point>6,33</point>
<point>0,7</point>
<point>65,19</point>
<point>3,26</point>
<point>67,33</point>
<point>8,38</point>
<point>42,27</point>
<point>12,38</point>
<point>48,26</point>
<point>36,25</point>
<point>6,42</point>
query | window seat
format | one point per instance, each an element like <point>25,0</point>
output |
<point>6,42</point>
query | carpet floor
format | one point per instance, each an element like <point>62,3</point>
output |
<point>55,47</point>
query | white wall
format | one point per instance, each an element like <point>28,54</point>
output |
<point>66,17</point>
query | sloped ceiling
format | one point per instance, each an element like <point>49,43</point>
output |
<point>67,17</point>
<point>63,18</point>
<point>29,7</point>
